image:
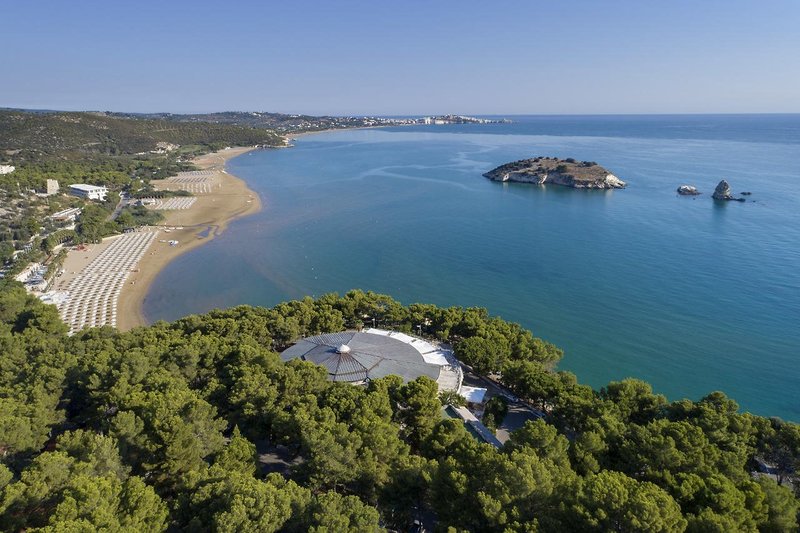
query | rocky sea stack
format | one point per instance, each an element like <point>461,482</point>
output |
<point>566,172</point>
<point>723,192</point>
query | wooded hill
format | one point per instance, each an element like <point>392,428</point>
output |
<point>275,121</point>
<point>155,429</point>
<point>37,136</point>
<point>101,149</point>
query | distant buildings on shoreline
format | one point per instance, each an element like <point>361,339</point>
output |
<point>460,119</point>
<point>437,120</point>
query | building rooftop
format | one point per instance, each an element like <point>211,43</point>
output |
<point>357,356</point>
<point>87,188</point>
<point>473,394</point>
<point>66,213</point>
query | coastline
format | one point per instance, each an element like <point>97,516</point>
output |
<point>211,213</point>
<point>292,136</point>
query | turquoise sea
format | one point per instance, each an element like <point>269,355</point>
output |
<point>686,293</point>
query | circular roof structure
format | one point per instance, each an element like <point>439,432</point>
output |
<point>359,356</point>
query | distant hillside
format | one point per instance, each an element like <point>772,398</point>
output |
<point>30,137</point>
<point>277,121</point>
<point>108,150</point>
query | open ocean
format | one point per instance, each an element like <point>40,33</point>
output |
<point>686,293</point>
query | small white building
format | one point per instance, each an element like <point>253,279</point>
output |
<point>92,192</point>
<point>52,187</point>
<point>7,169</point>
<point>472,395</point>
<point>67,215</point>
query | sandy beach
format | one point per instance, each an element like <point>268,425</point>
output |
<point>228,199</point>
<point>190,221</point>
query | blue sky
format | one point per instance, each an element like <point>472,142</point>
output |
<point>406,57</point>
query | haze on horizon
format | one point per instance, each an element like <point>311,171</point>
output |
<point>409,58</point>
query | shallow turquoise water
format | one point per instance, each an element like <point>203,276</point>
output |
<point>688,294</point>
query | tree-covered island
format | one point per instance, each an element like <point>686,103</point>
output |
<point>551,170</point>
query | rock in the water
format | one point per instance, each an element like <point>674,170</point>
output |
<point>746,193</point>
<point>688,190</point>
<point>722,192</point>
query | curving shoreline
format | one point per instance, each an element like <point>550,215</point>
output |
<point>209,216</point>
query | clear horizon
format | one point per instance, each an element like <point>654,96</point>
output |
<point>358,58</point>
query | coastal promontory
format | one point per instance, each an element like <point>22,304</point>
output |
<point>552,170</point>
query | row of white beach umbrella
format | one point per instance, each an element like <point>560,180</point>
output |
<point>92,295</point>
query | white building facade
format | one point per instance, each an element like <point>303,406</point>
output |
<point>92,192</point>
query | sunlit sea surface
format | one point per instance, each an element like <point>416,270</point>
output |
<point>684,292</point>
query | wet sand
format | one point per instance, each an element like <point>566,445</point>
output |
<point>229,199</point>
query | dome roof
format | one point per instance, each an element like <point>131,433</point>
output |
<point>359,356</point>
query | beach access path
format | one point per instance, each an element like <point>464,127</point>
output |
<point>225,199</point>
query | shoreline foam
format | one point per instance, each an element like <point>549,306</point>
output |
<point>211,214</point>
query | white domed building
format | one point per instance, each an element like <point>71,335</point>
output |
<point>360,356</point>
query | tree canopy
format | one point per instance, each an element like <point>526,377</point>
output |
<point>198,425</point>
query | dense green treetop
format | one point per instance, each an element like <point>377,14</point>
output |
<point>99,133</point>
<point>169,427</point>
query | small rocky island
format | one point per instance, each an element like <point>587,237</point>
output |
<point>566,172</point>
<point>723,192</point>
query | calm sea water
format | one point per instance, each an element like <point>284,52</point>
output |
<point>688,294</point>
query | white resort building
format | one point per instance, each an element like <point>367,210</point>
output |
<point>356,357</point>
<point>92,192</point>
<point>359,356</point>
<point>67,215</point>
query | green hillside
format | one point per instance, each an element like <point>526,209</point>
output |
<point>108,150</point>
<point>199,426</point>
<point>280,122</point>
<point>36,136</point>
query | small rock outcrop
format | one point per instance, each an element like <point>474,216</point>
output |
<point>688,190</point>
<point>551,170</point>
<point>723,192</point>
